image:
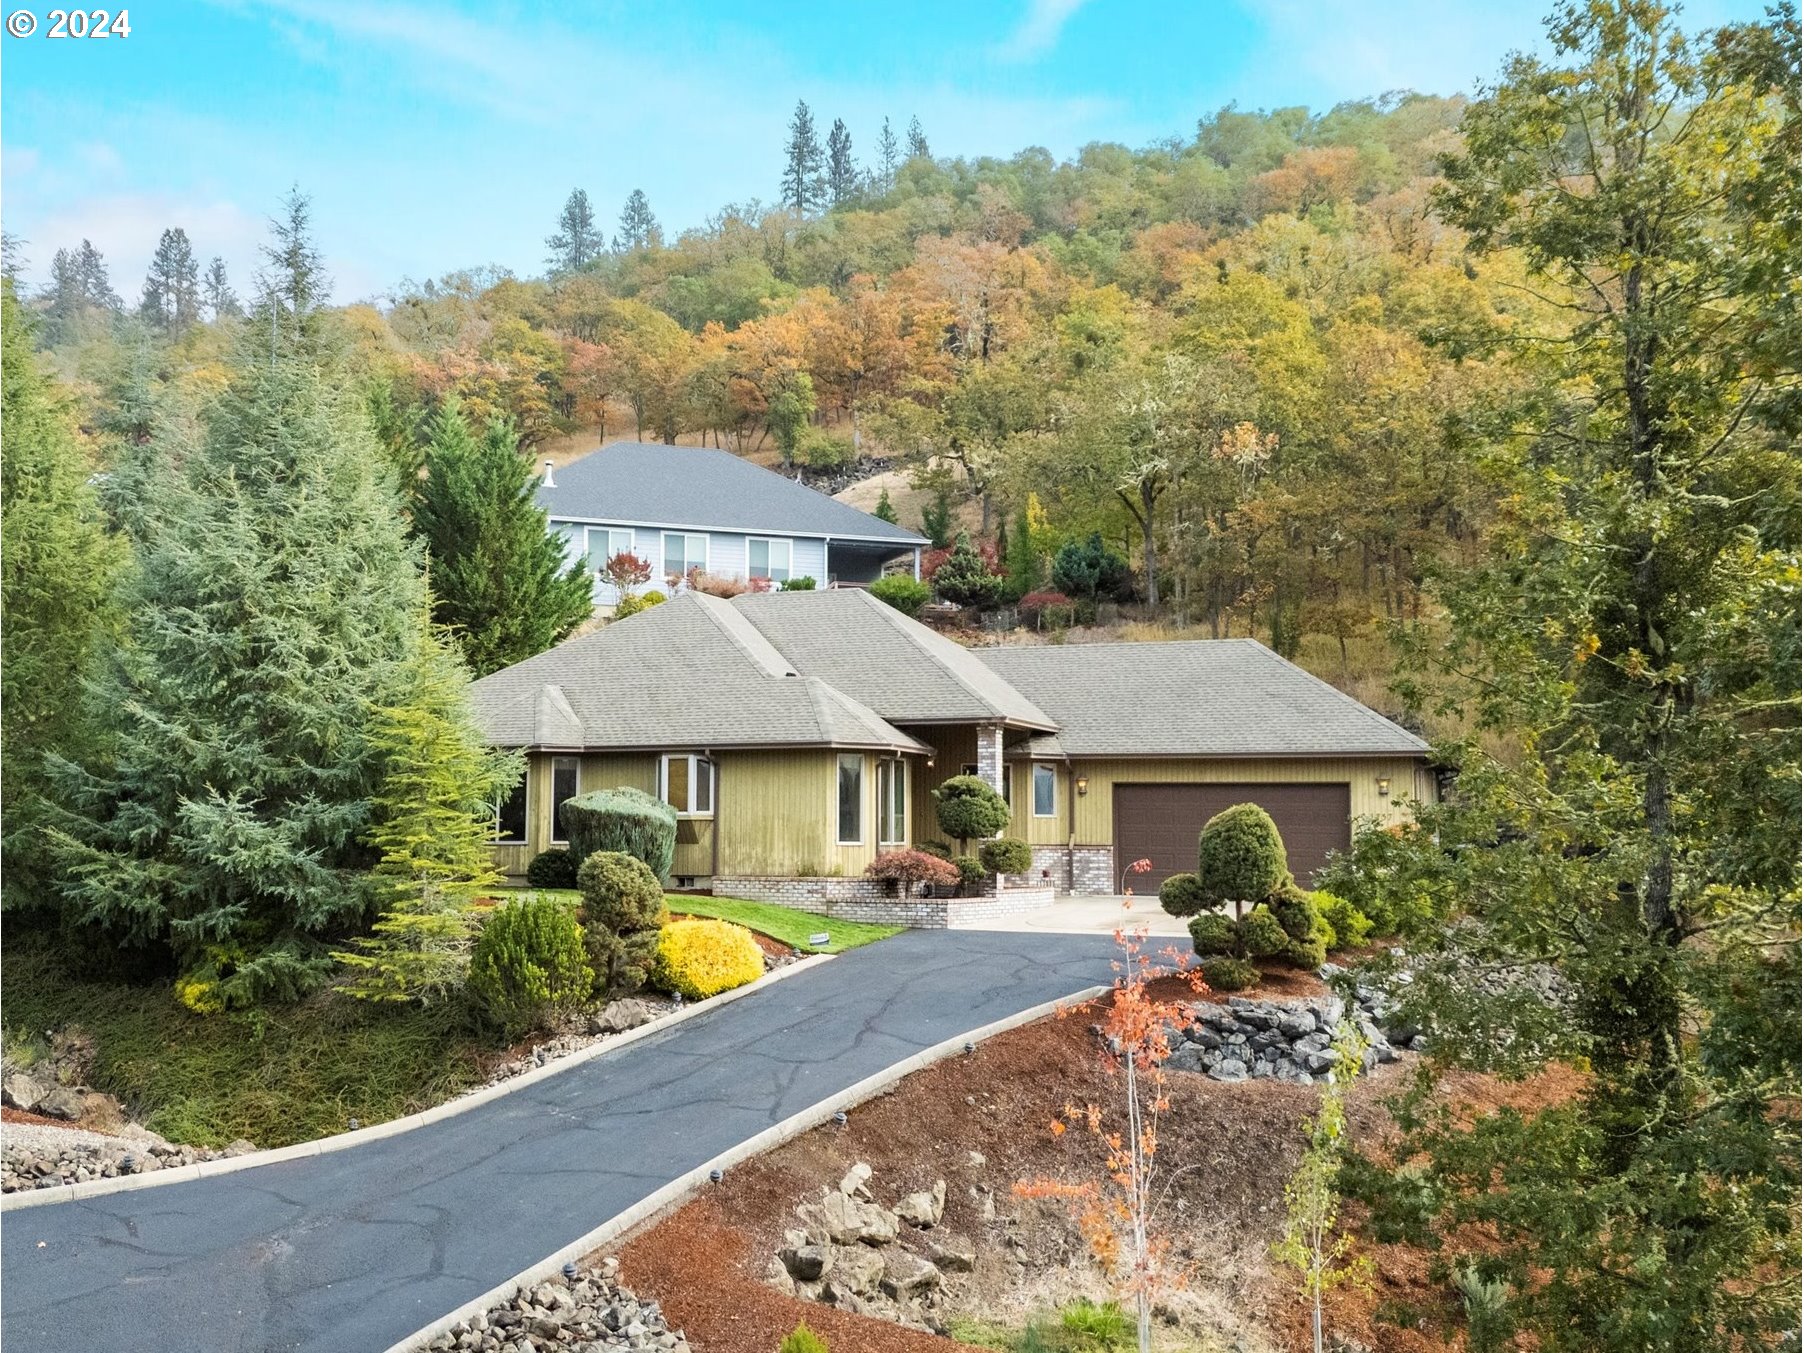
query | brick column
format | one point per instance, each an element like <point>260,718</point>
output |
<point>989,755</point>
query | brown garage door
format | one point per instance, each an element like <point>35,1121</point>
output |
<point>1160,823</point>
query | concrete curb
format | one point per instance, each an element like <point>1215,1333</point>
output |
<point>93,1188</point>
<point>772,1136</point>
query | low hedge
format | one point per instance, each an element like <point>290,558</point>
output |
<point>698,958</point>
<point>554,868</point>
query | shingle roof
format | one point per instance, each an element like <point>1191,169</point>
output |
<point>689,673</point>
<point>883,659</point>
<point>637,482</point>
<point>1200,698</point>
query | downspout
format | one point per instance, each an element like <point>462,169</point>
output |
<point>714,835</point>
<point>1070,824</point>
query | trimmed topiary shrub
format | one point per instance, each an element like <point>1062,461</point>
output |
<point>528,962</point>
<point>1228,974</point>
<point>971,872</point>
<point>970,809</point>
<point>1181,895</point>
<point>913,866</point>
<point>702,958</point>
<point>623,908</point>
<point>906,594</point>
<point>1006,856</point>
<point>627,820</point>
<point>1213,933</point>
<point>1261,936</point>
<point>554,868</point>
<point>1240,857</point>
<point>1351,926</point>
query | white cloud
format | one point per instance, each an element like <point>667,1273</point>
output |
<point>19,160</point>
<point>1039,29</point>
<point>125,228</point>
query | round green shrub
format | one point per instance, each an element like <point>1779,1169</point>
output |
<point>1006,856</point>
<point>623,909</point>
<point>1261,936</point>
<point>1352,927</point>
<point>1213,933</point>
<point>908,595</point>
<point>529,961</point>
<point>554,868</point>
<point>1229,974</point>
<point>634,602</point>
<point>624,819</point>
<point>1240,857</point>
<point>969,808</point>
<point>971,872</point>
<point>1181,895</point>
<point>1297,914</point>
<point>1308,954</point>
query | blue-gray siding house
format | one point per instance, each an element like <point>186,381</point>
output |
<point>685,507</point>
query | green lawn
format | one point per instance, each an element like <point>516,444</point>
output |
<point>784,924</point>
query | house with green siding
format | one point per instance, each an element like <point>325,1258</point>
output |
<point>799,734</point>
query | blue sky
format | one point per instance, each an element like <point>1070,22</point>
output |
<point>438,136</point>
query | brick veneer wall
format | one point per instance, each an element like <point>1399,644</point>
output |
<point>861,899</point>
<point>1091,870</point>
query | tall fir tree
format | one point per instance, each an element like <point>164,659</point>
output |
<point>917,141</point>
<point>273,605</point>
<point>498,574</point>
<point>638,227</point>
<point>842,171</point>
<point>803,187</point>
<point>889,157</point>
<point>885,510</point>
<point>96,284</point>
<point>172,286</point>
<point>57,566</point>
<point>434,817</point>
<point>221,300</point>
<point>578,242</point>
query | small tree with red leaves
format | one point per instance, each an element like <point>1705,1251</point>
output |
<point>625,571</point>
<point>1118,1212</point>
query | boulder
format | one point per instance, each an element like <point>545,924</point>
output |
<point>61,1102</point>
<point>1228,1069</point>
<point>905,1274</point>
<point>856,1178</point>
<point>1297,1024</point>
<point>856,1269</point>
<point>925,1207</point>
<point>952,1253</point>
<point>23,1091</point>
<point>807,1262</point>
<point>850,1222</point>
<point>1187,1058</point>
<point>621,1015</point>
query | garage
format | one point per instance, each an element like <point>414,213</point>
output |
<point>1160,822</point>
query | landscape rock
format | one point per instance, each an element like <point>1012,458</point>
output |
<point>905,1274</point>
<point>590,1313</point>
<point>806,1263</point>
<point>853,1185</point>
<point>924,1208</point>
<point>22,1091</point>
<point>850,1222</point>
<point>1228,1069</point>
<point>952,1253</point>
<point>619,1016</point>
<point>62,1102</point>
<point>857,1269</point>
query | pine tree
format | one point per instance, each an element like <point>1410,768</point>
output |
<point>221,299</point>
<point>638,227</point>
<point>172,286</point>
<point>842,172</point>
<point>917,141</point>
<point>273,606</point>
<point>885,510</point>
<point>12,256</point>
<point>293,289</point>
<point>889,156</point>
<point>57,566</point>
<point>1026,570</point>
<point>803,189</point>
<point>96,286</point>
<point>502,586</point>
<point>433,820</point>
<point>577,242</point>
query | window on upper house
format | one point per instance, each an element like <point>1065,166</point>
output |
<point>851,799</point>
<point>686,783</point>
<point>510,816</point>
<point>1045,790</point>
<point>768,559</point>
<point>605,542</point>
<point>684,552</point>
<point>564,776</point>
<point>892,802</point>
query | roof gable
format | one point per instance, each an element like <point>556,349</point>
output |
<point>688,486</point>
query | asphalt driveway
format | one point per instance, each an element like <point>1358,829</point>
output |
<point>358,1248</point>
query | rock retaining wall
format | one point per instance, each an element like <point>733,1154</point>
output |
<point>862,899</point>
<point>1275,1040</point>
<point>590,1311</point>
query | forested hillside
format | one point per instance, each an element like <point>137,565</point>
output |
<point>1252,357</point>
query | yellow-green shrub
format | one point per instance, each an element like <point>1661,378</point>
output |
<point>698,959</point>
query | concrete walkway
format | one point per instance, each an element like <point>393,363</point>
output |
<point>1090,916</point>
<point>357,1249</point>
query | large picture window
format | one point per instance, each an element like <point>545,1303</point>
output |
<point>687,785</point>
<point>851,799</point>
<point>1045,790</point>
<point>768,559</point>
<point>510,816</point>
<point>684,552</point>
<point>892,802</point>
<point>564,776</point>
<point>604,543</point>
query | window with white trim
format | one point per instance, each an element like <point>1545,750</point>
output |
<point>604,543</point>
<point>564,776</point>
<point>686,783</point>
<point>1045,790</point>
<point>768,559</point>
<point>510,816</point>
<point>851,799</point>
<point>684,552</point>
<point>892,802</point>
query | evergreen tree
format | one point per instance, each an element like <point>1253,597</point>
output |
<point>936,518</point>
<point>96,286</point>
<point>221,299</point>
<point>57,566</point>
<point>842,172</point>
<point>433,820</point>
<point>502,586</point>
<point>885,510</point>
<point>273,606</point>
<point>12,256</point>
<point>1026,570</point>
<point>172,286</point>
<point>294,286</point>
<point>803,189</point>
<point>889,156</point>
<point>638,227</point>
<point>917,141</point>
<point>397,429</point>
<point>577,242</point>
<point>964,577</point>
